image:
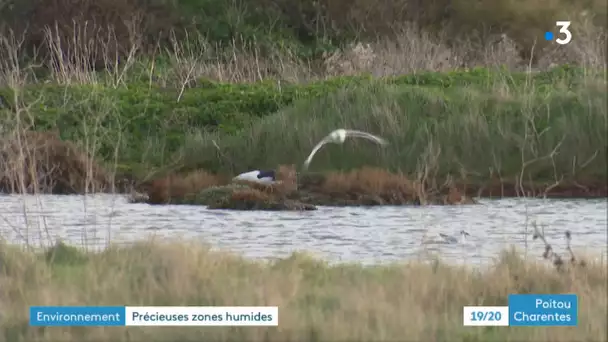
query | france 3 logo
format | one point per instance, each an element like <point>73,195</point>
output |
<point>564,35</point>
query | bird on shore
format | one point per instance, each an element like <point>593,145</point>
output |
<point>338,137</point>
<point>442,238</point>
<point>452,239</point>
<point>257,176</point>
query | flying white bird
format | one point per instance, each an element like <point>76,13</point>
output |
<point>338,137</point>
<point>257,176</point>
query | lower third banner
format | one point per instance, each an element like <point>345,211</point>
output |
<point>530,310</point>
<point>154,316</point>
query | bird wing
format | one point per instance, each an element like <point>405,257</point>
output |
<point>444,236</point>
<point>367,136</point>
<point>314,151</point>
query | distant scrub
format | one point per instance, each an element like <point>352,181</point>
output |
<point>130,117</point>
<point>306,27</point>
<point>489,77</point>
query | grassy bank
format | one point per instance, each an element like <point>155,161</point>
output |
<point>480,125</point>
<point>230,89</point>
<point>413,301</point>
<point>499,129</point>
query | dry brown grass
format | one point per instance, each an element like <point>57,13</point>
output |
<point>40,162</point>
<point>371,185</point>
<point>413,301</point>
<point>389,188</point>
<point>247,195</point>
<point>145,22</point>
<point>404,36</point>
<point>288,178</point>
<point>162,190</point>
<point>106,30</point>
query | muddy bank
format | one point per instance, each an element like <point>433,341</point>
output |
<point>40,162</point>
<point>363,187</point>
<point>565,189</point>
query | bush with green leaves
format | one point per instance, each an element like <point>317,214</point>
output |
<point>130,118</point>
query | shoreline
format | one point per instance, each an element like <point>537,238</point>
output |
<point>571,190</point>
<point>490,189</point>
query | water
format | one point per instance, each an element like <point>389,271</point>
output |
<point>367,235</point>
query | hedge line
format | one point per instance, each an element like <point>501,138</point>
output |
<point>134,114</point>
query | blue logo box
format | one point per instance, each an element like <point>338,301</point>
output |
<point>543,310</point>
<point>91,316</point>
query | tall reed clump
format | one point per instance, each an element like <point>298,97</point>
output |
<point>549,129</point>
<point>317,301</point>
<point>34,162</point>
<point>82,108</point>
<point>40,161</point>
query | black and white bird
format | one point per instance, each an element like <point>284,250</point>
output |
<point>257,176</point>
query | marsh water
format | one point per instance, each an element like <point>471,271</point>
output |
<point>367,235</point>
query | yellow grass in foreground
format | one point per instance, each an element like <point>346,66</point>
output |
<point>414,301</point>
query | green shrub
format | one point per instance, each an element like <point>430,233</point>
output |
<point>485,77</point>
<point>130,118</point>
<point>553,131</point>
<point>148,123</point>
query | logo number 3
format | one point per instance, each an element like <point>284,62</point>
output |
<point>563,28</point>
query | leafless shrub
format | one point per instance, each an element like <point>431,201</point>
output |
<point>555,258</point>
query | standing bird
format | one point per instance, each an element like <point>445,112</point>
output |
<point>450,239</point>
<point>338,137</point>
<point>442,239</point>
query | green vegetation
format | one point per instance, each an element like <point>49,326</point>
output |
<point>415,301</point>
<point>235,85</point>
<point>136,114</point>
<point>503,128</point>
<point>478,124</point>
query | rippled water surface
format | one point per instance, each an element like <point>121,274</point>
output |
<point>368,235</point>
